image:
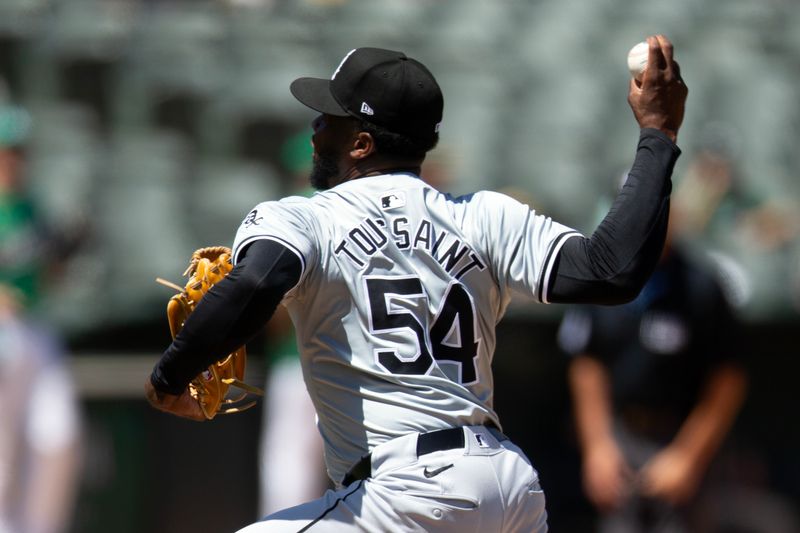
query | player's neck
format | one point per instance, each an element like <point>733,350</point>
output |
<point>378,164</point>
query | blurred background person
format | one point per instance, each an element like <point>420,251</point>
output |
<point>750,232</point>
<point>656,385</point>
<point>40,427</point>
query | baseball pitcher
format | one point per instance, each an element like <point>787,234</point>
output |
<point>395,290</point>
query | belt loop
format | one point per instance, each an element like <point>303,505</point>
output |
<point>443,439</point>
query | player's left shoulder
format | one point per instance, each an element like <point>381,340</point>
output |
<point>289,219</point>
<point>295,205</point>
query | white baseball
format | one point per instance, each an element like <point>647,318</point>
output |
<point>637,60</point>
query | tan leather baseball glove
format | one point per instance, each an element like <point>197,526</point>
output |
<point>212,387</point>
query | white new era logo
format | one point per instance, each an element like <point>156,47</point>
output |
<point>366,109</point>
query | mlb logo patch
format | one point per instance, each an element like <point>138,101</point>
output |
<point>393,200</point>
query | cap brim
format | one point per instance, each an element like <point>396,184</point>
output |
<point>316,94</point>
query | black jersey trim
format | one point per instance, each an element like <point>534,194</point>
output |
<point>547,267</point>
<point>283,242</point>
<point>280,241</point>
<point>332,507</point>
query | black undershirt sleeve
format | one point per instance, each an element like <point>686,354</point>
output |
<point>612,265</point>
<point>229,315</point>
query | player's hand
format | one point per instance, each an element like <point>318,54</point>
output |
<point>182,405</point>
<point>672,476</point>
<point>607,478</point>
<point>659,100</point>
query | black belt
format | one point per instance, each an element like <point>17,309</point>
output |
<point>434,441</point>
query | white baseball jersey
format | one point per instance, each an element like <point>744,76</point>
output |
<point>396,308</point>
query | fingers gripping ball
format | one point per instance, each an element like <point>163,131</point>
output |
<point>637,60</point>
<point>212,387</point>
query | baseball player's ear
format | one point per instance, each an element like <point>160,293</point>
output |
<point>363,145</point>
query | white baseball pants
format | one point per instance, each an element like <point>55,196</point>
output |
<point>486,485</point>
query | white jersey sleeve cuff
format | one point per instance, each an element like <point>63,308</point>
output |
<point>547,267</point>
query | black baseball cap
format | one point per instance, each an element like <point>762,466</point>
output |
<point>382,87</point>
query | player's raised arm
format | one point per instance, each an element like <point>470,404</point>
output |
<point>613,264</point>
